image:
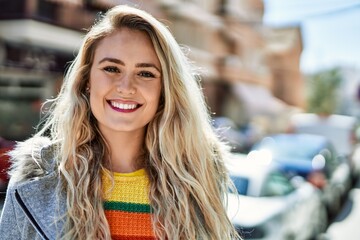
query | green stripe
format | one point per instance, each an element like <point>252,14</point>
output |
<point>127,207</point>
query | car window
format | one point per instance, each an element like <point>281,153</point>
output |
<point>276,184</point>
<point>241,184</point>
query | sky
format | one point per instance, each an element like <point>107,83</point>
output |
<point>330,30</point>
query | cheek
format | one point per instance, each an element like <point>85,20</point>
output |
<point>97,92</point>
<point>94,105</point>
<point>155,96</point>
<point>92,82</point>
<point>99,85</point>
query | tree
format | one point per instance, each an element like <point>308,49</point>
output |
<point>323,92</point>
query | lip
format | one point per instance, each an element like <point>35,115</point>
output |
<point>124,106</point>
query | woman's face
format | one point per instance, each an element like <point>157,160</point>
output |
<point>125,82</point>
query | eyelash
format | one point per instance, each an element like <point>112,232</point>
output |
<point>111,69</point>
<point>145,74</point>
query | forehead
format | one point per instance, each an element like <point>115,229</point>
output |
<point>127,43</point>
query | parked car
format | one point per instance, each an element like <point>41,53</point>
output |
<point>312,157</point>
<point>5,146</point>
<point>339,129</point>
<point>269,205</point>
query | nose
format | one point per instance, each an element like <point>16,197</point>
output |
<point>125,85</point>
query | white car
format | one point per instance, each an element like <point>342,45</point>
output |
<point>270,206</point>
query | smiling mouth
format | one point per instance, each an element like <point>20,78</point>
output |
<point>124,106</point>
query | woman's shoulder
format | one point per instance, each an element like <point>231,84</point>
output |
<point>31,158</point>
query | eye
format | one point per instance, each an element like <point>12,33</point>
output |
<point>111,69</point>
<point>146,74</point>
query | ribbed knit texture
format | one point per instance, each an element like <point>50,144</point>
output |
<point>127,206</point>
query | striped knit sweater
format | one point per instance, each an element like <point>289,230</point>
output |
<point>127,206</point>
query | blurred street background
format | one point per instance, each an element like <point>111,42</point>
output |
<point>267,67</point>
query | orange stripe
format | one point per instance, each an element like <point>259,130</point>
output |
<point>126,224</point>
<point>132,238</point>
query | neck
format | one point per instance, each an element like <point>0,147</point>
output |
<point>126,150</point>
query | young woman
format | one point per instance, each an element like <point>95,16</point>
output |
<point>127,152</point>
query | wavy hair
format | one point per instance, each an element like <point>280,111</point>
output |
<point>184,158</point>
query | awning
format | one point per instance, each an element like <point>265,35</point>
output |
<point>258,100</point>
<point>70,2</point>
<point>40,34</point>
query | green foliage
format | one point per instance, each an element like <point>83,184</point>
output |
<point>323,92</point>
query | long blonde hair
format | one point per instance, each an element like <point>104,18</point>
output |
<point>184,160</point>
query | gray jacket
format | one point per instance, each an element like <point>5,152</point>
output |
<point>32,208</point>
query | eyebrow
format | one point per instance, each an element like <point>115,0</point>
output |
<point>118,61</point>
<point>114,60</point>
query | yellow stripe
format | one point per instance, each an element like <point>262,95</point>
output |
<point>128,187</point>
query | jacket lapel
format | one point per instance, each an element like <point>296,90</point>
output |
<point>42,205</point>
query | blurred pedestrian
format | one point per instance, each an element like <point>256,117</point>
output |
<point>127,151</point>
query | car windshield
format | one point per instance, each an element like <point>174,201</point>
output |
<point>277,184</point>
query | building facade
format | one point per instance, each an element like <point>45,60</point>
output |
<point>244,73</point>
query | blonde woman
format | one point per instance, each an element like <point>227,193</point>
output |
<point>127,151</point>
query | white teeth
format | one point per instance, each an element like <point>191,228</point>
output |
<point>123,105</point>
